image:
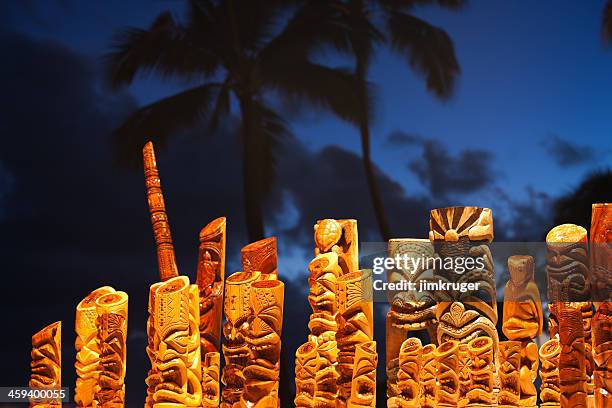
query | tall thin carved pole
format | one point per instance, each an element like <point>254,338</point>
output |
<point>161,228</point>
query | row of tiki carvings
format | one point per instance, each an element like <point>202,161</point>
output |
<point>336,367</point>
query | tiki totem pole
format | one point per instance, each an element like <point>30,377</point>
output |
<point>235,332</point>
<point>550,390</point>
<point>523,321</point>
<point>410,310</point>
<point>306,367</point>
<point>111,324</point>
<point>465,232</point>
<point>410,366</point>
<point>447,379</point>
<point>86,344</point>
<point>509,368</point>
<point>264,341</point>
<point>572,360</point>
<point>210,277</point>
<point>567,268</point>
<point>261,256</point>
<point>46,365</point>
<point>152,343</point>
<point>176,375</point>
<point>427,377</point>
<point>482,369</point>
<point>335,255</point>
<point>161,229</point>
<point>324,273</point>
<point>601,280</point>
<point>355,329</point>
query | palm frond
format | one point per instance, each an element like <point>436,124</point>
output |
<point>161,120</point>
<point>305,82</point>
<point>606,26</point>
<point>410,4</point>
<point>316,24</point>
<point>428,50</point>
<point>364,35</point>
<point>166,48</point>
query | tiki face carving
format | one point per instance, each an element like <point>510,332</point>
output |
<point>112,311</point>
<point>410,360</point>
<point>88,351</point>
<point>464,232</point>
<point>509,363</point>
<point>572,363</point>
<point>236,307</point>
<point>567,264</point>
<point>447,379</point>
<point>601,252</point>
<point>210,276</point>
<point>339,236</point>
<point>412,310</point>
<point>324,273</point>
<point>363,389</point>
<point>46,356</point>
<point>264,341</point>
<point>427,377</point>
<point>306,366</point>
<point>481,370</point>
<point>550,389</point>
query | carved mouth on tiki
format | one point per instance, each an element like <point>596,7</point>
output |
<point>264,342</point>
<point>260,373</point>
<point>520,326</point>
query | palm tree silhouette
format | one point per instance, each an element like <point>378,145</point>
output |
<point>234,50</point>
<point>427,49</point>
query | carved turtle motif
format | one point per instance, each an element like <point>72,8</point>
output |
<point>327,234</point>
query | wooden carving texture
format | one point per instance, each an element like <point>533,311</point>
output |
<point>465,232</point>
<point>46,364</point>
<point>363,385</point>
<point>111,322</point>
<point>550,389</point>
<point>210,278</point>
<point>355,327</point>
<point>572,360</point>
<point>523,322</point>
<point>176,375</point>
<point>482,370</point>
<point>161,229</point>
<point>447,378</point>
<point>509,367</point>
<point>463,373</point>
<point>264,342</point>
<point>86,344</point>
<point>235,331</point>
<point>410,360</point>
<point>260,256</point>
<point>601,280</point>
<point>427,377</point>
<point>602,351</point>
<point>152,374</point>
<point>339,236</point>
<point>567,267</point>
<point>409,310</point>
<point>306,367</point>
<point>324,272</point>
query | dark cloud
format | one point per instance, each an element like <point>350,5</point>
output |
<point>399,138</point>
<point>568,153</point>
<point>444,174</point>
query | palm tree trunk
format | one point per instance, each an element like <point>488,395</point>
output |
<point>364,130</point>
<point>250,173</point>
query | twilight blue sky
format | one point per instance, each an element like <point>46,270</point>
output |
<point>530,71</point>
